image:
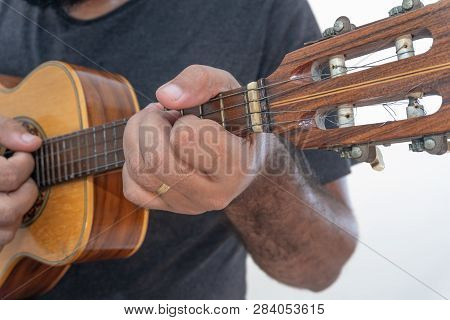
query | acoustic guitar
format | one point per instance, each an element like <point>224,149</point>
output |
<point>81,214</point>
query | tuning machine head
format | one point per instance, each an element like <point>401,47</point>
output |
<point>407,5</point>
<point>341,26</point>
<point>369,154</point>
<point>435,145</point>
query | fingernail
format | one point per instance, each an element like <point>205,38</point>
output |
<point>173,91</point>
<point>28,138</point>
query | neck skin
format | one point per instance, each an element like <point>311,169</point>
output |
<point>91,9</point>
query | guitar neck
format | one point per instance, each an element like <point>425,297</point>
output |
<point>99,149</point>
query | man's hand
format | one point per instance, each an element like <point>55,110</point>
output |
<point>297,231</point>
<point>205,166</point>
<point>17,191</point>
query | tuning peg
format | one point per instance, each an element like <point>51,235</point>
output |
<point>407,5</point>
<point>378,162</point>
<point>435,145</point>
<point>342,25</point>
<point>368,154</point>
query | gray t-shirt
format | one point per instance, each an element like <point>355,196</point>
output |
<point>149,42</point>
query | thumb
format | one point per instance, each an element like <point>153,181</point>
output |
<point>15,137</point>
<point>195,85</point>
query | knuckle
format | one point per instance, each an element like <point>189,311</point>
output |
<point>7,235</point>
<point>184,135</point>
<point>213,141</point>
<point>127,134</point>
<point>34,189</point>
<point>200,73</point>
<point>11,124</point>
<point>137,174</point>
<point>219,203</point>
<point>132,122</point>
<point>153,163</point>
<point>231,82</point>
<point>8,215</point>
<point>195,212</point>
<point>10,180</point>
<point>128,193</point>
<point>133,166</point>
<point>153,152</point>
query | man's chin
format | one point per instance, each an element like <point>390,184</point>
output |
<point>53,3</point>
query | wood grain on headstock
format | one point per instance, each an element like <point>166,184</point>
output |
<point>428,73</point>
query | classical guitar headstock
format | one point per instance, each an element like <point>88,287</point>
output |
<point>316,85</point>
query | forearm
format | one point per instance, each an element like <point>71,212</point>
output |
<point>294,229</point>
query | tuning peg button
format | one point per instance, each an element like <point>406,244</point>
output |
<point>368,154</point>
<point>378,162</point>
<point>407,5</point>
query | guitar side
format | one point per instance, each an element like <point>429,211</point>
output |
<point>84,220</point>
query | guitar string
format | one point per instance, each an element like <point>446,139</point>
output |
<point>232,131</point>
<point>286,81</point>
<point>369,65</point>
<point>107,141</point>
<point>97,169</point>
<point>294,78</point>
<point>99,155</point>
<point>121,122</point>
<point>245,129</point>
<point>242,130</point>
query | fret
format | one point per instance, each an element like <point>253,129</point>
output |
<point>47,163</point>
<point>41,160</point>
<point>222,110</point>
<point>200,108</point>
<point>105,146</point>
<point>264,102</point>
<point>116,158</point>
<point>58,161</point>
<point>182,112</point>
<point>72,174</point>
<point>52,164</point>
<point>66,177</point>
<point>95,149</point>
<point>79,153</point>
<point>38,169</point>
<point>88,163</point>
<point>247,112</point>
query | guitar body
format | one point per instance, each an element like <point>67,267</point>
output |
<point>79,221</point>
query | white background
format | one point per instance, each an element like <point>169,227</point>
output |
<point>403,212</point>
